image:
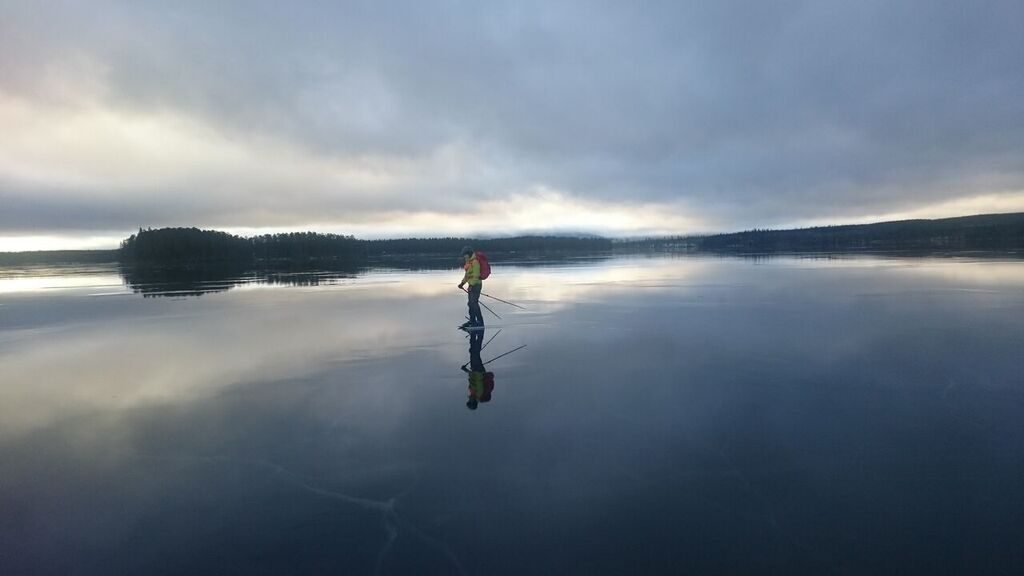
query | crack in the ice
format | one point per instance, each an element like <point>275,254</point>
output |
<point>392,520</point>
<point>437,544</point>
<point>392,530</point>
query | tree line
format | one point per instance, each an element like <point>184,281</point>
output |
<point>193,245</point>
<point>989,232</point>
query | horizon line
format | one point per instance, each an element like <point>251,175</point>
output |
<point>552,233</point>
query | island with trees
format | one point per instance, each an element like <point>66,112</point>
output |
<point>187,246</point>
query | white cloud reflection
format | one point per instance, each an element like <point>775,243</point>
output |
<point>149,352</point>
<point>152,352</point>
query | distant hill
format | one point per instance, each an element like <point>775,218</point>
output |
<point>989,232</point>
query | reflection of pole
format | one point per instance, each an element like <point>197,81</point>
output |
<point>489,341</point>
<point>484,305</point>
<point>505,301</point>
<point>505,354</point>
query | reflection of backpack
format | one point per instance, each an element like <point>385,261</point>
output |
<point>488,387</point>
<point>485,266</point>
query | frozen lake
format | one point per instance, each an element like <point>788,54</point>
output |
<point>667,415</point>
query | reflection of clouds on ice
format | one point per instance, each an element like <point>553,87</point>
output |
<point>690,394</point>
<point>951,271</point>
<point>977,273</point>
<point>37,283</point>
<point>197,348</point>
<point>144,352</point>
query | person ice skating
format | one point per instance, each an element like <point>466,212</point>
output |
<point>472,277</point>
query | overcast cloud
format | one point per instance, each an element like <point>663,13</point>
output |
<point>392,118</point>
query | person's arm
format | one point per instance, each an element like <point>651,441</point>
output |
<point>465,278</point>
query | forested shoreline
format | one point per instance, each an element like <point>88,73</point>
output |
<point>992,232</point>
<point>192,246</point>
<point>982,233</point>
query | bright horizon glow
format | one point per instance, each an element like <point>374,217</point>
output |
<point>59,242</point>
<point>1005,203</point>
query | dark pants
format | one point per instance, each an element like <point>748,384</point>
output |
<point>474,305</point>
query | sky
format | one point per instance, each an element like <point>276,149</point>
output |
<point>415,118</point>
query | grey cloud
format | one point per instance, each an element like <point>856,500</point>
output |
<point>751,111</point>
<point>35,209</point>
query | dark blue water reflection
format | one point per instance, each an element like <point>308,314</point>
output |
<point>853,416</point>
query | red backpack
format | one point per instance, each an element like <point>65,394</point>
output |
<point>485,266</point>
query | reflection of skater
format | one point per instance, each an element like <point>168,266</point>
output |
<point>481,382</point>
<point>472,277</point>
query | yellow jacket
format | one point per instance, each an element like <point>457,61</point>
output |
<point>472,268</point>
